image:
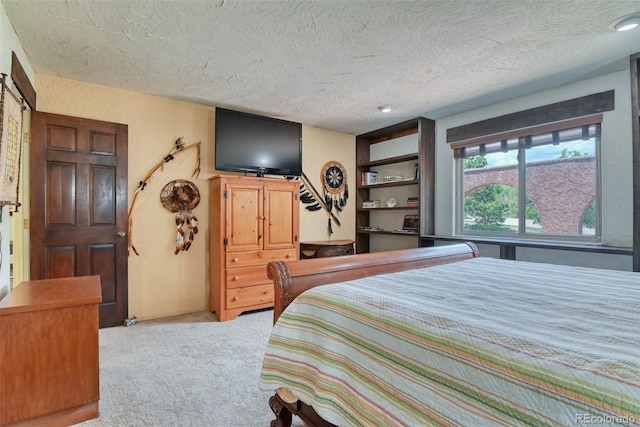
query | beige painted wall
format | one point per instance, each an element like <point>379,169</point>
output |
<point>160,283</point>
<point>320,147</point>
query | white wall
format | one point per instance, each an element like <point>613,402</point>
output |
<point>9,43</point>
<point>616,155</point>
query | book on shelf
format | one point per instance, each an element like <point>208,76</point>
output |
<point>403,231</point>
<point>371,204</point>
<point>413,202</point>
<point>410,223</point>
<point>392,178</point>
<point>369,178</point>
<point>369,228</point>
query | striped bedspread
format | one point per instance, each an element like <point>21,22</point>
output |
<point>481,342</point>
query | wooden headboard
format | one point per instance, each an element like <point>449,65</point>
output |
<point>292,278</point>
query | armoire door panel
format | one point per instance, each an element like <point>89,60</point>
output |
<point>281,218</point>
<point>244,205</point>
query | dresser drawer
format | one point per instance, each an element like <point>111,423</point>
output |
<point>254,258</point>
<point>251,295</point>
<point>247,276</point>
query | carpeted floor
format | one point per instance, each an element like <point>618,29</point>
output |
<point>186,370</point>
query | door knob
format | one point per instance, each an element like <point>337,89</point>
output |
<point>121,233</point>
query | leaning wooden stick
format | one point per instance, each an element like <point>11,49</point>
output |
<point>318,198</point>
<point>178,148</point>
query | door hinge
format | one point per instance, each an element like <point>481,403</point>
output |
<point>295,238</point>
<point>296,197</point>
<point>225,194</point>
<point>25,224</point>
<point>225,241</point>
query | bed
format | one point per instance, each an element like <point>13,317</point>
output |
<point>440,336</point>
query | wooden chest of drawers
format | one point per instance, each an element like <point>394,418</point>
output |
<point>253,221</point>
<point>49,352</point>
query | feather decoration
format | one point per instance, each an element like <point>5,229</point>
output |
<point>308,199</point>
<point>328,201</point>
<point>320,202</point>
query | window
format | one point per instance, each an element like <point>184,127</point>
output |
<point>541,182</point>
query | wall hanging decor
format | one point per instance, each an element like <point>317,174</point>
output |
<point>335,192</point>
<point>181,197</point>
<point>11,108</point>
<point>178,148</point>
<point>334,183</point>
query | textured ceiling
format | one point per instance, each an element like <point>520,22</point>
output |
<point>325,63</point>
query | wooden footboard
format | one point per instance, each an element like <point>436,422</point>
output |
<point>294,277</point>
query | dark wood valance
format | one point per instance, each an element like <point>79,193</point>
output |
<point>22,82</point>
<point>525,135</point>
<point>570,109</point>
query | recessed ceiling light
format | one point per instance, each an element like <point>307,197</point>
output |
<point>625,23</point>
<point>384,108</point>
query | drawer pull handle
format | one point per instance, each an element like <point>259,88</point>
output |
<point>236,278</point>
<point>234,299</point>
<point>288,256</point>
<point>236,260</point>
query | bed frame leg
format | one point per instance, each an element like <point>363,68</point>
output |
<point>283,414</point>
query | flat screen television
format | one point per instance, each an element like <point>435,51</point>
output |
<point>255,144</point>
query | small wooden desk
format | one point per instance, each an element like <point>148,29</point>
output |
<point>326,248</point>
<point>49,372</point>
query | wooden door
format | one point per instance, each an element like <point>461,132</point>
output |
<point>244,215</point>
<point>281,215</point>
<point>79,205</point>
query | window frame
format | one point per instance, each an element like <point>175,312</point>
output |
<point>521,234</point>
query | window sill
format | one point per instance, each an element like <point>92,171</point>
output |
<point>546,244</point>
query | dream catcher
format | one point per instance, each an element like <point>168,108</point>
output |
<point>178,148</point>
<point>181,197</point>
<point>335,191</point>
<point>334,183</point>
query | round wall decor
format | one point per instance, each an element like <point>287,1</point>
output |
<point>181,197</point>
<point>334,183</point>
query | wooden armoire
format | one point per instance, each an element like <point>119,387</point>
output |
<point>252,221</point>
